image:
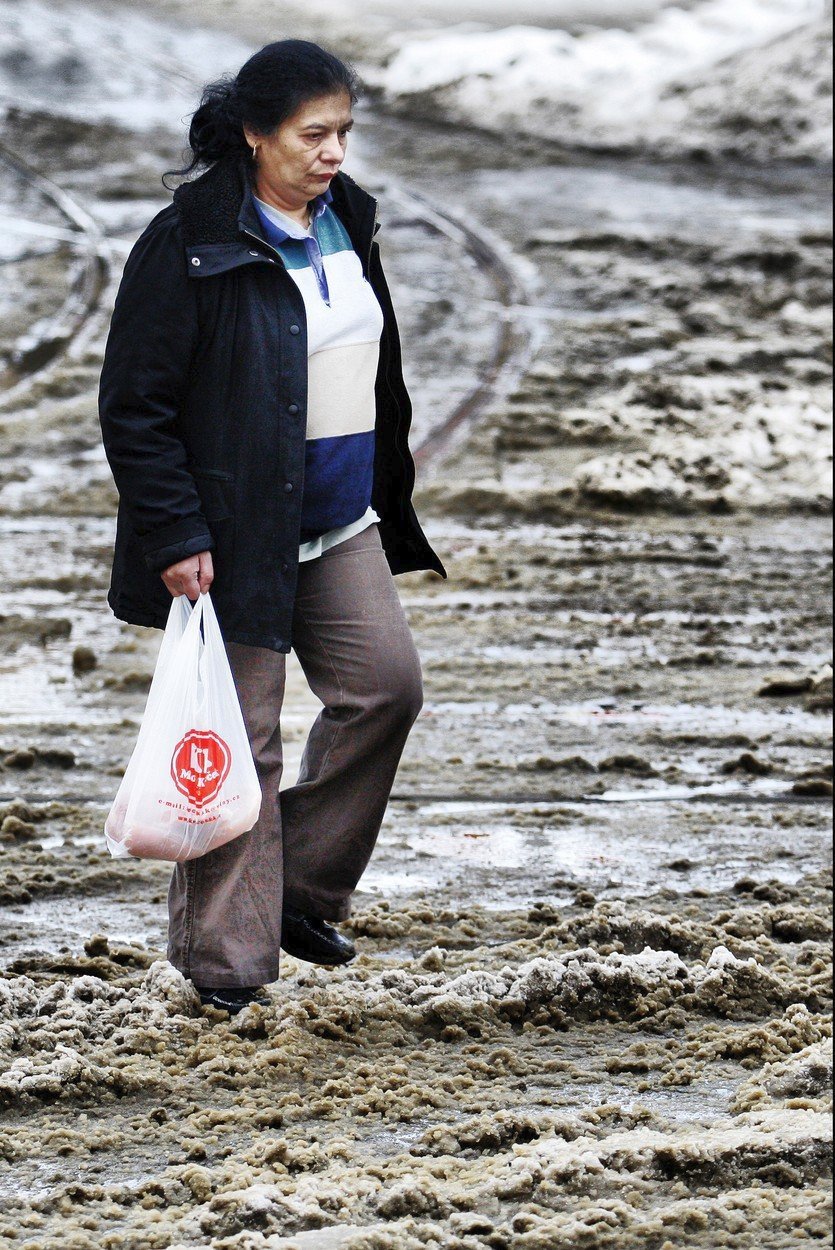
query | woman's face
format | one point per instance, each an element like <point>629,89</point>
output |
<point>298,160</point>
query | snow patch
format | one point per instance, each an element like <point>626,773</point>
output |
<point>119,66</point>
<point>612,87</point>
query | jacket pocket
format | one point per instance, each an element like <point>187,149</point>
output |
<point>216,490</point>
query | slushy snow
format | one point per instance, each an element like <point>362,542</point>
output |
<point>610,87</point>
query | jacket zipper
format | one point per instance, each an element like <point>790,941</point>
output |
<point>373,232</point>
<point>263,243</point>
<point>278,259</point>
<point>389,386</point>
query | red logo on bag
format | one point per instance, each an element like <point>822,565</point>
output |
<point>200,765</point>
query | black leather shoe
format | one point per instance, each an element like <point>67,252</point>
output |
<point>233,1000</point>
<point>315,941</point>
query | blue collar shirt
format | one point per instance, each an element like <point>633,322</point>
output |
<point>278,228</point>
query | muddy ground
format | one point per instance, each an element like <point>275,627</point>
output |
<point>592,1005</point>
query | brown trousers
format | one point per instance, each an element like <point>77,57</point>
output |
<point>312,841</point>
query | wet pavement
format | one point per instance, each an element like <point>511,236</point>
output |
<point>591,1003</point>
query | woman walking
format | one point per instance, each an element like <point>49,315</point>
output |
<point>256,421</point>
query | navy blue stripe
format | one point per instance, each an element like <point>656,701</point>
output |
<point>338,475</point>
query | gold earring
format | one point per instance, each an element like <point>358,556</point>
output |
<point>255,151</point>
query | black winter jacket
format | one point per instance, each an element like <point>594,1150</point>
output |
<point>202,405</point>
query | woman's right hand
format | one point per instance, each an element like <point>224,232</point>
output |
<point>192,576</point>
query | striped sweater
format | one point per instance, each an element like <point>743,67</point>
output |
<point>344,325</point>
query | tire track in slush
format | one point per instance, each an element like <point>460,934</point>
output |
<point>515,340</point>
<point>49,340</point>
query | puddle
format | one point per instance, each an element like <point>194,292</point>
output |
<point>719,789</point>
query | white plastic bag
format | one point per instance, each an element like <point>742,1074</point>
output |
<point>191,783</point>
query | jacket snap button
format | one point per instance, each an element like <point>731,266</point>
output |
<point>294,408</point>
<point>288,486</point>
<point>195,260</point>
<point>294,330</point>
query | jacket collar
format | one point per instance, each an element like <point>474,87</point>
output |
<point>222,229</point>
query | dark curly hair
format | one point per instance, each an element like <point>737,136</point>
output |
<point>272,85</point>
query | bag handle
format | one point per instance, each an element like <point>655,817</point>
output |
<point>201,634</point>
